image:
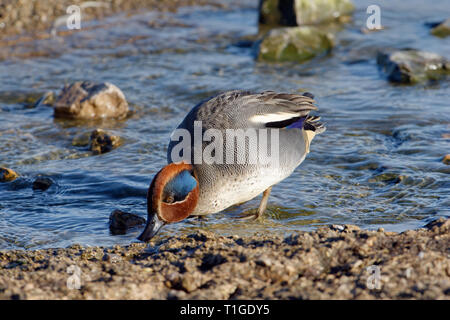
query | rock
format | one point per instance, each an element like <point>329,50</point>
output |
<point>302,12</point>
<point>7,174</point>
<point>82,139</point>
<point>319,11</point>
<point>412,66</point>
<point>442,29</point>
<point>294,44</point>
<point>88,100</point>
<point>120,221</point>
<point>277,12</point>
<point>101,141</point>
<point>446,159</point>
<point>42,183</point>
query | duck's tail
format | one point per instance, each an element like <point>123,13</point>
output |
<point>311,127</point>
<point>312,123</point>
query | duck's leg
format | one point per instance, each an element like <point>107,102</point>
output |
<point>262,206</point>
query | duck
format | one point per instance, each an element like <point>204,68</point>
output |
<point>215,170</point>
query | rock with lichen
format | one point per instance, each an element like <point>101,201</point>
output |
<point>294,44</point>
<point>302,12</point>
<point>411,66</point>
<point>89,100</point>
<point>7,174</point>
<point>442,29</point>
<point>102,141</point>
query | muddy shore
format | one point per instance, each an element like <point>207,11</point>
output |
<point>329,263</point>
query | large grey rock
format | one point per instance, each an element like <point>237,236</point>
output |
<point>89,100</point>
<point>442,29</point>
<point>294,44</point>
<point>412,66</point>
<point>301,12</point>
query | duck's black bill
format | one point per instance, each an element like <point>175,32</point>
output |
<point>154,224</point>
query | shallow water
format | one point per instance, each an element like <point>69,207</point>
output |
<point>377,165</point>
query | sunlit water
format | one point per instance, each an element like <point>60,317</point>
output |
<point>379,164</point>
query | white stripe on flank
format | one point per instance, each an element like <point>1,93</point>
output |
<point>272,117</point>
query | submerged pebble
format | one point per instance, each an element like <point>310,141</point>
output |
<point>120,221</point>
<point>102,141</point>
<point>42,183</point>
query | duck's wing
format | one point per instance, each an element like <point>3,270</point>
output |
<point>243,109</point>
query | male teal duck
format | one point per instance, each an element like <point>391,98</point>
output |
<point>188,186</point>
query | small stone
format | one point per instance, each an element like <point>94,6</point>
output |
<point>82,139</point>
<point>102,142</point>
<point>441,30</point>
<point>337,227</point>
<point>7,174</point>
<point>42,183</point>
<point>120,221</point>
<point>189,283</point>
<point>446,159</point>
<point>411,66</point>
<point>89,100</point>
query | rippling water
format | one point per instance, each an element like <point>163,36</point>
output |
<point>378,164</point>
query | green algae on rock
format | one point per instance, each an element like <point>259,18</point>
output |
<point>441,30</point>
<point>294,44</point>
<point>411,66</point>
<point>301,12</point>
<point>7,174</point>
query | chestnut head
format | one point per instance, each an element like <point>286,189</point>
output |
<point>171,197</point>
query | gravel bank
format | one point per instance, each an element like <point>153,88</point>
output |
<point>329,263</point>
<point>29,16</point>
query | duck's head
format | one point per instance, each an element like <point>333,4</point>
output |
<point>171,197</point>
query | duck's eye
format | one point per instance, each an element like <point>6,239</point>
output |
<point>169,198</point>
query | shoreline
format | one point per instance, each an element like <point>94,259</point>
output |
<point>336,262</point>
<point>29,18</point>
